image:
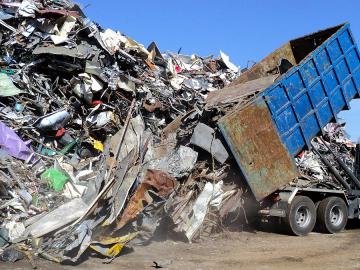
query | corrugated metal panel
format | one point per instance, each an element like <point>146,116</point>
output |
<point>311,94</point>
<point>259,152</point>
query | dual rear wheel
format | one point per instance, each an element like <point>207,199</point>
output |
<point>332,215</point>
<point>329,217</point>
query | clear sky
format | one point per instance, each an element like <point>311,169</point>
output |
<point>245,30</point>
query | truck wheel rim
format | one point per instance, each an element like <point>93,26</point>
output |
<point>303,216</point>
<point>336,215</point>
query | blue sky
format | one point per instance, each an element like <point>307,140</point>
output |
<point>245,30</point>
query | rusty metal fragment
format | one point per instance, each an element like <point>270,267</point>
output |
<point>152,105</point>
<point>235,93</point>
<point>157,181</point>
<point>267,65</point>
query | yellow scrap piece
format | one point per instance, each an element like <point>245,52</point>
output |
<point>25,250</point>
<point>112,246</point>
<point>110,252</point>
<point>97,145</point>
<point>49,257</point>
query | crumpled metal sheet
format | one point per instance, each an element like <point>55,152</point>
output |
<point>111,247</point>
<point>178,163</point>
<point>231,208</point>
<point>204,137</point>
<point>61,33</point>
<point>11,254</point>
<point>27,9</point>
<point>81,51</point>
<point>188,211</point>
<point>309,161</point>
<point>226,60</point>
<point>15,229</point>
<point>159,182</point>
<point>61,216</point>
<point>5,16</point>
<point>112,40</point>
<point>4,237</point>
<point>7,87</point>
<point>211,195</point>
<point>148,221</point>
<point>132,138</point>
<point>11,143</point>
<point>82,235</point>
<point>121,189</point>
<point>69,245</point>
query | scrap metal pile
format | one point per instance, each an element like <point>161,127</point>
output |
<point>103,141</point>
<point>321,165</point>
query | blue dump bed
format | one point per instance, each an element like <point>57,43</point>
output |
<point>320,76</point>
<point>311,94</point>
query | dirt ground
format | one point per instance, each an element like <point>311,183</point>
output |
<point>235,250</point>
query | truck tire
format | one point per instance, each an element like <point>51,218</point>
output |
<point>332,215</point>
<point>300,216</point>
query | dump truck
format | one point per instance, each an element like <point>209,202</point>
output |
<point>316,77</point>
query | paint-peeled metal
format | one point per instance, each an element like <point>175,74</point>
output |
<point>254,141</point>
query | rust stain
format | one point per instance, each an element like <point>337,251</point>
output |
<point>235,93</point>
<point>153,107</point>
<point>256,145</point>
<point>262,68</point>
<point>154,180</point>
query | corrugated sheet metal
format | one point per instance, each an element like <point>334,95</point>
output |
<point>311,94</point>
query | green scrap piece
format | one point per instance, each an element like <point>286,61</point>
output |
<point>7,87</point>
<point>35,200</point>
<point>55,178</point>
<point>7,71</point>
<point>48,152</point>
<point>68,147</point>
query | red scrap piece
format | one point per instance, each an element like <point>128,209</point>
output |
<point>96,102</point>
<point>178,69</point>
<point>60,132</point>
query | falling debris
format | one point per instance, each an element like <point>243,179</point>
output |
<point>84,153</point>
<point>104,142</point>
<point>203,137</point>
